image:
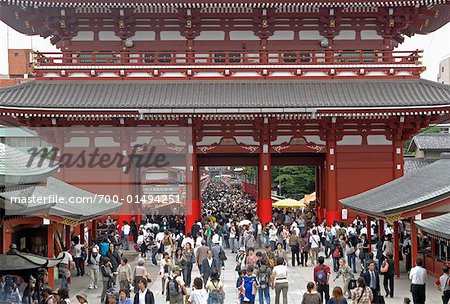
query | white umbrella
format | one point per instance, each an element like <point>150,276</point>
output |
<point>245,223</point>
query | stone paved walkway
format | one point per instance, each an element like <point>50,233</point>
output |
<point>298,278</point>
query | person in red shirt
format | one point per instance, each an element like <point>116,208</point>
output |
<point>322,277</point>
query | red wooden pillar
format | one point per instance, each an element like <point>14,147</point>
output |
<point>264,208</point>
<point>67,236</point>
<point>369,232</point>
<point>396,249</point>
<point>414,242</point>
<point>51,252</point>
<point>7,237</point>
<point>193,203</point>
<point>93,232</point>
<point>82,239</point>
<point>380,228</point>
<point>332,211</point>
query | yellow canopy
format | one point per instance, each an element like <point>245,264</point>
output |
<point>288,203</point>
<point>310,198</point>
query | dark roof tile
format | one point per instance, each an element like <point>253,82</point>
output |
<point>225,94</point>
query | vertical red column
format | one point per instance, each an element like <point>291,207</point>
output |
<point>51,252</point>
<point>380,228</point>
<point>396,249</point>
<point>67,236</point>
<point>332,211</point>
<point>7,237</point>
<point>414,242</point>
<point>193,203</point>
<point>264,208</point>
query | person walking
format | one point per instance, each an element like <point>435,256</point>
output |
<point>351,255</point>
<point>321,276</point>
<point>418,277</point>
<point>94,268</point>
<point>208,265</point>
<point>311,296</point>
<point>125,235</point>
<point>201,254</point>
<point>107,275</point>
<point>188,261</point>
<point>64,266</point>
<point>443,284</point>
<point>125,275</point>
<point>280,280</point>
<point>372,278</point>
<point>314,241</point>
<point>304,247</point>
<point>347,275</point>
<point>388,270</point>
<point>198,295</point>
<point>337,296</point>
<point>176,288</point>
<point>362,294</point>
<point>143,295</point>
<point>337,254</point>
<point>139,272</point>
<point>264,277</point>
<point>294,243</point>
<point>78,256</point>
<point>215,289</point>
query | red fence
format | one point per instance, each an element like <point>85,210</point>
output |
<point>263,63</point>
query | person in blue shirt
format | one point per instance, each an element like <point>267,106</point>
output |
<point>250,286</point>
<point>104,246</point>
<point>123,297</point>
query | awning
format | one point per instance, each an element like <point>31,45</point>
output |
<point>436,226</point>
<point>20,168</point>
<point>69,202</point>
<point>23,261</point>
<point>421,188</point>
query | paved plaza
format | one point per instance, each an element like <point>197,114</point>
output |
<point>298,278</point>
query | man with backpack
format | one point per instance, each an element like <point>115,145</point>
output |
<point>264,274</point>
<point>176,287</point>
<point>249,285</point>
<point>321,278</point>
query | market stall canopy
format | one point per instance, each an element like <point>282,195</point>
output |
<point>90,205</point>
<point>421,188</point>
<point>289,203</point>
<point>436,226</point>
<point>23,261</point>
<point>310,198</point>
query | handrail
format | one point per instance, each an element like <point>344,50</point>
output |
<point>225,62</point>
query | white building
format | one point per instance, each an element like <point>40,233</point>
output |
<point>444,71</point>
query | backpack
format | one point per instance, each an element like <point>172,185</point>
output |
<point>173,287</point>
<point>263,277</point>
<point>248,284</point>
<point>215,293</point>
<point>336,253</point>
<point>321,276</point>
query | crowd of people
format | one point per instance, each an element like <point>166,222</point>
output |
<point>262,256</point>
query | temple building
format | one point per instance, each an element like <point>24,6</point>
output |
<point>243,83</point>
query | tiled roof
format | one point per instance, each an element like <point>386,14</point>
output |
<point>92,206</point>
<point>17,167</point>
<point>420,188</point>
<point>431,142</point>
<point>225,94</point>
<point>437,226</point>
<point>413,164</point>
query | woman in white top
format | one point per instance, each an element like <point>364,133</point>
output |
<point>198,295</point>
<point>280,281</point>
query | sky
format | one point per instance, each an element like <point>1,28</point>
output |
<point>436,46</point>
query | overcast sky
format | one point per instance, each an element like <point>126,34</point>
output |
<point>436,46</point>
